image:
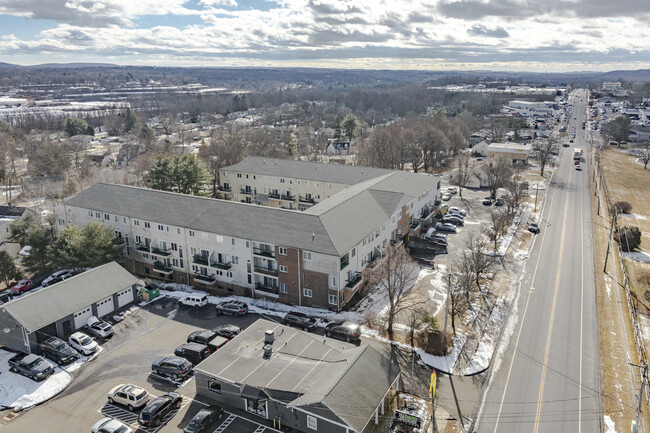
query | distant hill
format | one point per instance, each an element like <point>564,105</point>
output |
<point>75,65</point>
<point>8,65</point>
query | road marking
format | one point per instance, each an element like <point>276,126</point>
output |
<point>523,317</point>
<point>260,429</point>
<point>551,319</point>
<point>224,425</point>
<point>582,302</point>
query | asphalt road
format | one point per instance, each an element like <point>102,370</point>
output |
<point>548,377</point>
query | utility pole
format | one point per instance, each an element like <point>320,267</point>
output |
<point>644,380</point>
<point>611,230</point>
<point>444,328</point>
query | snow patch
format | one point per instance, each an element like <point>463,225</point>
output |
<point>635,216</point>
<point>609,425</point>
<point>521,255</point>
<point>20,392</point>
<point>638,256</point>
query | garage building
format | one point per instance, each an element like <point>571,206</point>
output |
<point>62,308</point>
<point>301,381</point>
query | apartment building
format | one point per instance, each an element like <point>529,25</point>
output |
<point>313,258</point>
<point>289,184</point>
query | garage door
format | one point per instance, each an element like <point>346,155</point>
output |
<point>124,297</point>
<point>105,306</point>
<point>81,316</point>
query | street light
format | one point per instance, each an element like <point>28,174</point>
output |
<point>537,188</point>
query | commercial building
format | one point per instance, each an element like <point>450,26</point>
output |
<point>60,309</point>
<point>289,184</point>
<point>316,257</point>
<point>515,153</point>
<point>337,388</point>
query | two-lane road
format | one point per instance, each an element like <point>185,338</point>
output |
<point>548,377</point>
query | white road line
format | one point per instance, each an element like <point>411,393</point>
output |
<point>260,429</point>
<point>582,300</point>
<point>224,425</point>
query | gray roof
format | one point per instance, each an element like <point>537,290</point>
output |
<point>335,173</point>
<point>47,305</point>
<point>305,369</point>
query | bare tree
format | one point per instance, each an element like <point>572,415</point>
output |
<point>515,194</point>
<point>499,224</point>
<point>499,172</point>
<point>463,172</point>
<point>475,261</point>
<point>498,129</point>
<point>644,154</point>
<point>394,276</point>
<point>542,151</point>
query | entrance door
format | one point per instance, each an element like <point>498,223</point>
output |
<point>67,328</point>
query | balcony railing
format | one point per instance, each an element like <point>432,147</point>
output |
<point>288,197</point>
<point>161,251</point>
<point>220,265</point>
<point>265,288</point>
<point>306,199</point>
<point>264,252</point>
<point>205,279</point>
<point>225,188</point>
<point>356,279</point>
<point>142,247</point>
<point>345,263</point>
<point>119,241</point>
<point>246,191</point>
<point>200,260</point>
<point>266,270</point>
<point>162,268</point>
<point>275,195</point>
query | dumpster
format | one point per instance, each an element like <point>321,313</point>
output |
<point>149,293</point>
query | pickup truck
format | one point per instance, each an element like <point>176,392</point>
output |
<point>30,365</point>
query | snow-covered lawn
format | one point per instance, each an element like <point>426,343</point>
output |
<point>19,392</point>
<point>638,256</point>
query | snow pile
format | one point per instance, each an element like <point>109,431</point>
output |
<point>20,392</point>
<point>481,358</point>
<point>638,256</point>
<point>645,327</point>
<point>609,425</point>
<point>635,216</point>
<point>521,255</point>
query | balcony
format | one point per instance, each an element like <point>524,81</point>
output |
<point>161,251</point>
<point>288,196</point>
<point>162,268</point>
<point>306,200</point>
<point>356,279</point>
<point>345,263</point>
<point>200,260</point>
<point>224,188</point>
<point>208,280</point>
<point>142,247</point>
<point>246,191</point>
<point>273,290</point>
<point>275,195</point>
<point>220,265</point>
<point>264,252</point>
<point>119,241</point>
<point>266,270</point>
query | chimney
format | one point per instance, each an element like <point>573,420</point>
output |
<point>269,337</point>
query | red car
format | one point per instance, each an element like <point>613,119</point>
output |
<point>21,286</point>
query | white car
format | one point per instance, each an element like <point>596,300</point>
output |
<point>446,196</point>
<point>110,425</point>
<point>99,328</point>
<point>131,396</point>
<point>456,210</point>
<point>82,343</point>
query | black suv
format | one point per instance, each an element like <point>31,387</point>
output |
<point>345,331</point>
<point>58,351</point>
<point>172,366</point>
<point>155,412</point>
<point>193,352</point>
<point>207,337</point>
<point>299,320</point>
<point>203,419</point>
<point>227,331</point>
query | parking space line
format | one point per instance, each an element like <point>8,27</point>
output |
<point>260,429</point>
<point>130,418</point>
<point>224,425</point>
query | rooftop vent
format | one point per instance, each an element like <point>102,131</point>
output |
<point>268,349</point>
<point>269,337</point>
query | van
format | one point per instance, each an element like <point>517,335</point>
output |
<point>194,301</point>
<point>193,352</point>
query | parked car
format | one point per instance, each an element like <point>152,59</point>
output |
<point>194,301</point>
<point>193,352</point>
<point>21,286</point>
<point>578,167</point>
<point>203,419</point>
<point>57,277</point>
<point>346,331</point>
<point>110,425</point>
<point>533,228</point>
<point>453,220</point>
<point>30,365</point>
<point>452,190</point>
<point>454,214</point>
<point>227,331</point>
<point>99,328</point>
<point>565,144</point>
<point>172,366</point>
<point>487,201</point>
<point>445,227</point>
<point>5,297</point>
<point>446,196</point>
<point>210,338</point>
<point>438,238</point>
<point>299,320</point>
<point>128,395</point>
<point>236,308</point>
<point>156,411</point>
<point>58,351</point>
<point>82,343</point>
<point>454,209</point>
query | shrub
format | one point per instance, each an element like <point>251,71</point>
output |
<point>628,237</point>
<point>623,206</point>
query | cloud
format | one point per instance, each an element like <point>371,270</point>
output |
<point>228,3</point>
<point>481,30</point>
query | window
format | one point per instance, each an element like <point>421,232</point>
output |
<point>61,222</point>
<point>147,225</point>
<point>90,213</point>
<point>146,256</point>
<point>98,214</point>
<point>352,252</point>
<point>312,422</point>
<point>181,263</point>
<point>174,247</point>
<point>283,268</point>
<point>161,227</point>
<point>107,216</point>
<point>233,241</point>
<point>229,274</point>
<point>306,293</point>
<point>124,220</point>
<point>333,281</point>
<point>191,233</point>
<point>306,255</point>
<point>282,251</point>
<point>178,230</point>
<point>239,175</point>
<point>136,222</point>
<point>249,279</point>
<point>214,386</point>
<point>248,244</point>
<point>175,262</point>
<point>333,300</point>
<point>138,239</point>
<point>235,260</point>
<point>281,180</point>
<point>283,288</point>
<point>116,218</point>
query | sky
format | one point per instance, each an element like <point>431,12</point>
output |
<point>516,35</point>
